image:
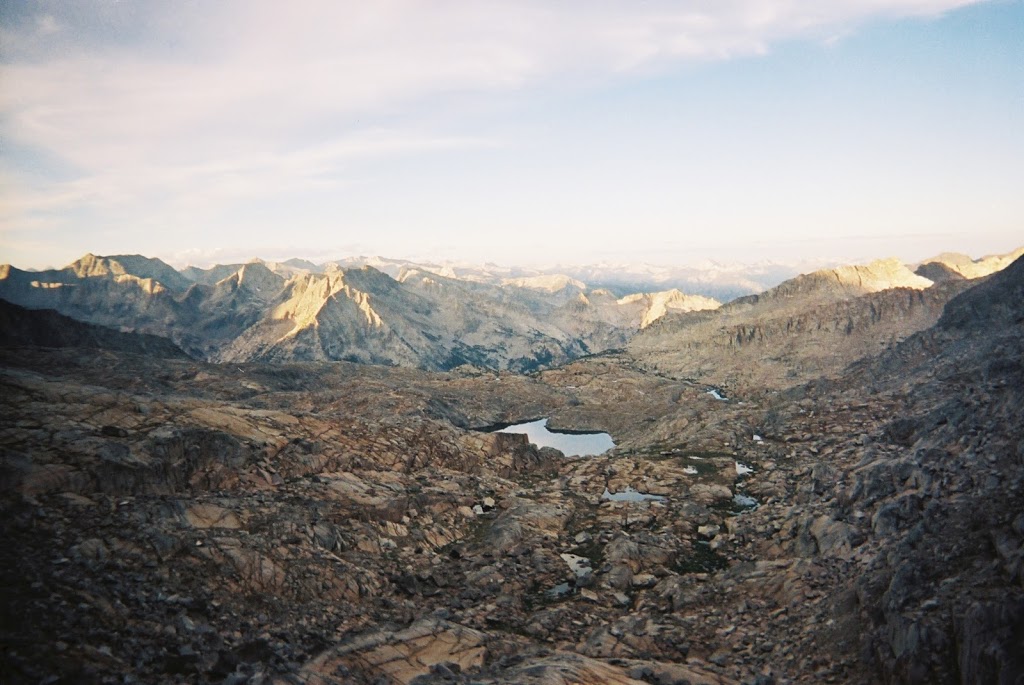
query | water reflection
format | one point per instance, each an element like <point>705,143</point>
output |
<point>630,495</point>
<point>570,444</point>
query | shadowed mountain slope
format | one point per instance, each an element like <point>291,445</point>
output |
<point>939,581</point>
<point>996,303</point>
<point>21,327</point>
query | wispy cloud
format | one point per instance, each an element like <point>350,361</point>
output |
<point>201,80</point>
<point>251,172</point>
<point>199,102</point>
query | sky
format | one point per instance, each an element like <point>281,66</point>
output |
<point>515,131</point>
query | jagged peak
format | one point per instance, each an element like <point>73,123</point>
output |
<point>308,295</point>
<point>88,264</point>
<point>255,277</point>
<point>91,265</point>
<point>311,294</point>
<point>660,303</point>
<point>259,271</point>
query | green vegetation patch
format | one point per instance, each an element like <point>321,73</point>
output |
<point>592,550</point>
<point>700,559</point>
<point>685,457</point>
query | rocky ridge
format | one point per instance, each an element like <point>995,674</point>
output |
<point>956,266</point>
<point>812,326</point>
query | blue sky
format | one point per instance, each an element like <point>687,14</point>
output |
<point>513,132</point>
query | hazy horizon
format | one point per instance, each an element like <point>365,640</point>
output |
<point>519,133</point>
<point>243,256</point>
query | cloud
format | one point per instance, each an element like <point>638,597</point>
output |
<point>221,179</point>
<point>217,100</point>
<point>115,89</point>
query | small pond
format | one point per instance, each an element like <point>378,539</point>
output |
<point>630,495</point>
<point>744,501</point>
<point>570,443</point>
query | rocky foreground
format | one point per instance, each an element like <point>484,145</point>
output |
<point>170,521</point>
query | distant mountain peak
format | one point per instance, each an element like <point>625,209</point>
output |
<point>657,304</point>
<point>547,282</point>
<point>881,274</point>
<point>90,265</point>
<point>955,266</point>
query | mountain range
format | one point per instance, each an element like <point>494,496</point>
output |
<point>296,311</point>
<point>394,312</point>
<point>819,482</point>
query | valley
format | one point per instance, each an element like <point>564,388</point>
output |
<point>824,481</point>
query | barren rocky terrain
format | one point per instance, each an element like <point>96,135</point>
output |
<point>848,518</point>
